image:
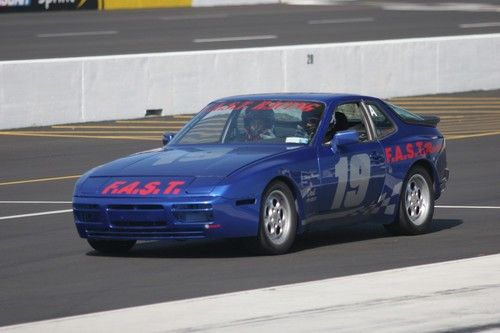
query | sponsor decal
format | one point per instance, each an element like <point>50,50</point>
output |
<point>73,3</point>
<point>124,187</point>
<point>411,150</point>
<point>15,3</point>
<point>45,5</point>
<point>266,105</point>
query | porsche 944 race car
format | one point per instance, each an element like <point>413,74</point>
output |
<point>267,167</point>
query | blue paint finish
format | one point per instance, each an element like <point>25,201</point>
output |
<point>192,191</point>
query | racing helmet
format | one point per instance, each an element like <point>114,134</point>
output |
<point>341,122</point>
<point>310,120</point>
<point>258,120</point>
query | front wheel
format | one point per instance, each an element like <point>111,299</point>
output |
<point>278,219</point>
<point>416,206</point>
<point>111,246</point>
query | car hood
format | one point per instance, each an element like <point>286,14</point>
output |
<point>209,161</point>
<point>170,172</point>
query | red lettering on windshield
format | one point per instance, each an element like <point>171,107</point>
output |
<point>265,105</point>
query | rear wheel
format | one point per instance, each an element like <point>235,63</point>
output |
<point>111,246</point>
<point>416,206</point>
<point>278,220</point>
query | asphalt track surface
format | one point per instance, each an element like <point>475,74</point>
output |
<point>89,33</point>
<point>47,271</point>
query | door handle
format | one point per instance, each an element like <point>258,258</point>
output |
<point>376,157</point>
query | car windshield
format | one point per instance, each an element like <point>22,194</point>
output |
<point>254,121</point>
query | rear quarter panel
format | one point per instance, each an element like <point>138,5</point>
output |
<point>411,145</point>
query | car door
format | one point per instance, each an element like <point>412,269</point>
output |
<point>352,177</point>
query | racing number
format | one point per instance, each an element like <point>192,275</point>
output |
<point>358,179</point>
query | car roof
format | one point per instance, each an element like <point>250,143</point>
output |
<point>319,97</point>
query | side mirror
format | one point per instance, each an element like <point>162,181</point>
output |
<point>167,137</point>
<point>344,138</point>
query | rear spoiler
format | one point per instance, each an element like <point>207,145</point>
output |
<point>414,119</point>
<point>427,120</point>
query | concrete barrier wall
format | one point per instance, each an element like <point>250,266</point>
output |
<point>53,91</point>
<point>212,3</point>
<point>7,6</point>
<point>144,4</point>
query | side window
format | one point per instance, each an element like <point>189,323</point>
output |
<point>348,116</point>
<point>383,125</point>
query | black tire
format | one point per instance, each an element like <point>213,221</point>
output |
<point>278,220</point>
<point>111,246</point>
<point>416,204</point>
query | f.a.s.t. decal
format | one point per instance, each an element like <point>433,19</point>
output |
<point>123,187</point>
<point>410,151</point>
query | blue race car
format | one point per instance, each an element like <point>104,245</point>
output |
<point>268,167</point>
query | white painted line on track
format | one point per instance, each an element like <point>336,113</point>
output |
<point>233,39</point>
<point>193,17</point>
<point>455,6</point>
<point>33,202</point>
<point>346,20</point>
<point>76,34</point>
<point>36,214</point>
<point>479,25</point>
<point>469,207</point>
<point>397,300</point>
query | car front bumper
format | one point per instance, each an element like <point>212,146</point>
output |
<point>157,219</point>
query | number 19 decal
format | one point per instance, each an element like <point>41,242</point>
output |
<point>354,172</point>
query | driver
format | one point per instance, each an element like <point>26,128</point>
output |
<point>259,124</point>
<point>341,124</point>
<point>310,122</point>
